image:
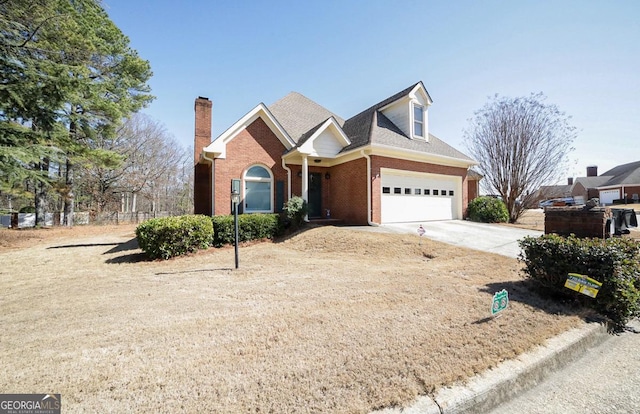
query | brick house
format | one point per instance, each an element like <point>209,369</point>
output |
<point>619,183</point>
<point>379,166</point>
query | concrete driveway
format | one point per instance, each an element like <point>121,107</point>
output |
<point>493,238</point>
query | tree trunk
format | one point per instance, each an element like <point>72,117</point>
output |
<point>41,196</point>
<point>69,196</point>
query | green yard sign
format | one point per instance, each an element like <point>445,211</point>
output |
<point>500,302</point>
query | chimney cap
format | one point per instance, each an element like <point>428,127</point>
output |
<point>202,97</point>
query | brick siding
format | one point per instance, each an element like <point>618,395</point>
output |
<point>256,144</point>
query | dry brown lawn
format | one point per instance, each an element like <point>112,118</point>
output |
<point>329,320</point>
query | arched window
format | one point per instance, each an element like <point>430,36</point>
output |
<point>258,190</point>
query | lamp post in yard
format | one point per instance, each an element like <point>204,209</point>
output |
<point>235,199</point>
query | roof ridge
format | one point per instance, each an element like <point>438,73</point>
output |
<point>390,99</point>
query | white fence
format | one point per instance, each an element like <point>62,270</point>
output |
<point>25,220</point>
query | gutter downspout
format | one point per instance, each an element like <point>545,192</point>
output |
<point>284,165</point>
<point>368,158</point>
<point>213,183</point>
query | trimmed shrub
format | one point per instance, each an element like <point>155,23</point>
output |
<point>250,227</point>
<point>613,262</point>
<point>166,237</point>
<point>295,210</point>
<point>487,210</point>
<point>28,209</point>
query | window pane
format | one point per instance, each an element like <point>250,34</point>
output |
<point>435,192</point>
<point>443,192</point>
<point>257,172</point>
<point>407,191</point>
<point>258,196</point>
<point>416,191</point>
<point>417,113</point>
<point>450,192</point>
<point>417,129</point>
<point>386,190</point>
<point>427,191</point>
<point>397,190</point>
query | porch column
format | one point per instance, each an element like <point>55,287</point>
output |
<point>305,180</point>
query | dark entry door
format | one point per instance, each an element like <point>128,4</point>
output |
<point>315,195</point>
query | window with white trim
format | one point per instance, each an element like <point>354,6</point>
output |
<point>418,121</point>
<point>258,190</point>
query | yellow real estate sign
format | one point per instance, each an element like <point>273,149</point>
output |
<point>583,284</point>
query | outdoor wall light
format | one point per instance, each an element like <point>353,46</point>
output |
<point>327,176</point>
<point>299,174</point>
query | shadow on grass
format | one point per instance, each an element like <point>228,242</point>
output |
<point>129,258</point>
<point>118,247</point>
<point>123,247</point>
<point>66,246</point>
<point>530,293</point>
<point>225,269</point>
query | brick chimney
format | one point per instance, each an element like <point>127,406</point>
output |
<point>203,126</point>
<point>570,181</point>
<point>592,171</point>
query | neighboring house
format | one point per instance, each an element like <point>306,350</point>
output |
<point>379,166</point>
<point>621,182</point>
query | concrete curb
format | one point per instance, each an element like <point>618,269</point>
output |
<point>486,391</point>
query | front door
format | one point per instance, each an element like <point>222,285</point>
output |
<point>315,195</point>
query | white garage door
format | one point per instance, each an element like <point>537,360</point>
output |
<point>607,196</point>
<point>410,196</point>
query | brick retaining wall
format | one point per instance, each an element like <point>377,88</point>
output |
<point>577,220</point>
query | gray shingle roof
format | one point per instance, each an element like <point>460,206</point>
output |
<point>298,114</point>
<point>592,182</point>
<point>300,117</point>
<point>625,174</point>
<point>553,191</point>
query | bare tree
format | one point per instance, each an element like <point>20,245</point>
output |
<point>152,163</point>
<point>521,143</point>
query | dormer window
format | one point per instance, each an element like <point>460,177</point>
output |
<point>418,121</point>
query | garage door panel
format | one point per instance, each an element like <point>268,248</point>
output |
<point>419,198</point>
<point>607,196</point>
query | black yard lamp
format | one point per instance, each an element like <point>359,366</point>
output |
<point>235,199</point>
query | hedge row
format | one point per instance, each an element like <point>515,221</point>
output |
<point>250,227</point>
<point>613,262</point>
<point>166,237</point>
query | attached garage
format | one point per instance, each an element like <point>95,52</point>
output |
<point>607,196</point>
<point>411,196</point>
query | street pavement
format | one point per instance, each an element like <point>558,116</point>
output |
<point>606,380</point>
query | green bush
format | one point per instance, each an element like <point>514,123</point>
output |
<point>166,237</point>
<point>28,209</point>
<point>295,210</point>
<point>487,210</point>
<point>250,227</point>
<point>614,262</point>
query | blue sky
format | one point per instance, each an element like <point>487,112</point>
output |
<point>348,55</point>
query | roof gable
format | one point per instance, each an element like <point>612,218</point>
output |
<point>218,148</point>
<point>326,140</point>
